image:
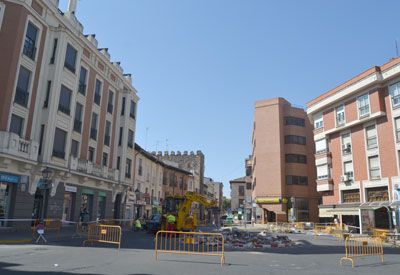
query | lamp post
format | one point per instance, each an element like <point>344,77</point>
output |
<point>292,200</point>
<point>46,175</point>
<point>137,196</point>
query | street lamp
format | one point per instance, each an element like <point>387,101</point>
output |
<point>46,175</point>
<point>292,200</point>
<point>137,195</point>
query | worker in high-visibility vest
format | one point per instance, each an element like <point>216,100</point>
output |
<point>170,222</point>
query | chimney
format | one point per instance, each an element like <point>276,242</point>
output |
<point>72,6</point>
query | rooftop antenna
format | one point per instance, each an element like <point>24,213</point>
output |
<point>157,142</point>
<point>397,48</point>
<point>166,144</point>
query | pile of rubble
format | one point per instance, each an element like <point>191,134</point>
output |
<point>243,239</point>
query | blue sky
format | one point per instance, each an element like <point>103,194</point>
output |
<point>199,65</point>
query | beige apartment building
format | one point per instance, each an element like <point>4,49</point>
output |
<point>357,137</point>
<point>283,163</point>
<point>241,197</point>
<point>64,106</point>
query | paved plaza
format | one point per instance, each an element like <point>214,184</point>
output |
<point>67,256</point>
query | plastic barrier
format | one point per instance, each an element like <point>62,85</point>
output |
<point>328,230</point>
<point>382,233</point>
<point>49,225</point>
<point>104,234</point>
<point>192,243</point>
<point>360,246</point>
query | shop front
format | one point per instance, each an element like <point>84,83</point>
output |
<point>101,206</point>
<point>273,209</point>
<point>86,207</point>
<point>69,202</point>
<point>7,184</point>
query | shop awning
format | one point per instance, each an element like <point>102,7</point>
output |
<point>345,211</point>
<point>323,213</point>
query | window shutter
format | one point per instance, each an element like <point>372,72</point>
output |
<point>371,131</point>
<point>320,145</point>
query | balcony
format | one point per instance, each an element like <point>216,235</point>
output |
<point>12,144</point>
<point>324,184</point>
<point>87,167</point>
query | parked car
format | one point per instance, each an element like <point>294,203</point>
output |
<point>154,224</point>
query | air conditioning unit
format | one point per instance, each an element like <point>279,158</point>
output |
<point>344,178</point>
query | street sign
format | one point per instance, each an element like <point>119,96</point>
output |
<point>240,211</point>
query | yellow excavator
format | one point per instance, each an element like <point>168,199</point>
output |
<point>181,205</point>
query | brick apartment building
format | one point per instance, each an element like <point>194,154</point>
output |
<point>357,136</point>
<point>64,105</point>
<point>283,163</point>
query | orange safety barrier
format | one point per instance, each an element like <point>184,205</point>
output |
<point>108,222</point>
<point>328,230</point>
<point>382,233</point>
<point>104,234</point>
<point>362,246</point>
<point>192,243</point>
<point>49,225</point>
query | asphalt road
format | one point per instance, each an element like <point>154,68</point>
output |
<point>137,257</point>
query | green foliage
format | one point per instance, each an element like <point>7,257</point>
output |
<point>226,203</point>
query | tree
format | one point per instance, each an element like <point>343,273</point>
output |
<point>226,204</point>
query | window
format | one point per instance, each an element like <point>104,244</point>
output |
<point>82,81</point>
<point>350,196</point>
<point>346,144</point>
<point>30,41</point>
<point>121,130</point>
<point>248,185</point>
<point>59,143</point>
<point>296,180</point>
<point>41,139</point>
<point>378,194</point>
<point>46,101</point>
<point>318,121</point>
<point>295,140</point>
<point>97,92</point>
<point>105,159</point>
<point>140,170</point>
<point>110,105</point>
<point>123,107</point>
<point>395,93</point>
<point>70,58</point>
<point>241,190</point>
<point>130,139</point>
<point>397,125</point>
<point>241,203</point>
<point>22,94</point>
<point>340,118</point>
<point>288,120</point>
<point>53,55</point>
<point>294,158</point>
<point>16,125</point>
<point>248,198</point>
<point>107,134</point>
<point>374,167</point>
<point>371,137</point>
<point>363,106</point>
<point>74,148</point>
<point>302,210</point>
<point>128,168</point>
<point>322,172</point>
<point>65,100</point>
<point>93,129</point>
<point>118,162</point>
<point>348,169</point>
<point>321,146</point>
<point>78,118</point>
<point>132,112</point>
<point>91,154</point>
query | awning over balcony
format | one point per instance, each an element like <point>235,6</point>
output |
<point>353,210</point>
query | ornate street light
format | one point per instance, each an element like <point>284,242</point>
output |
<point>46,174</point>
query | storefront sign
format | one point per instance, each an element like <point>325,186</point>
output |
<point>9,178</point>
<point>140,202</point>
<point>156,202</point>
<point>272,200</point>
<point>70,189</point>
<point>87,191</point>
<point>102,194</point>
